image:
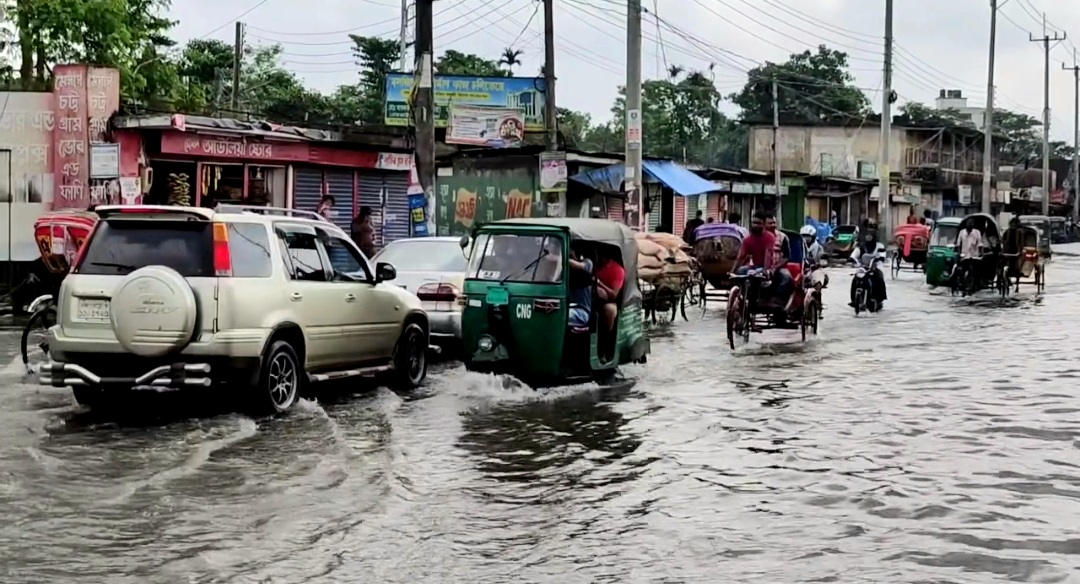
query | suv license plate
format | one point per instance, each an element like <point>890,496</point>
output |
<point>93,310</point>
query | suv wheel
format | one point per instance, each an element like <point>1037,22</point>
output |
<point>280,378</point>
<point>410,358</point>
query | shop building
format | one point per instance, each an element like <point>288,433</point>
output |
<point>203,161</point>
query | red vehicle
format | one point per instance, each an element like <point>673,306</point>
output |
<point>912,241</point>
<point>746,314</point>
<point>60,236</point>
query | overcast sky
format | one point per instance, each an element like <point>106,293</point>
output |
<point>940,43</point>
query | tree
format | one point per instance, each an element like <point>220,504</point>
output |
<point>377,58</point>
<point>916,113</point>
<point>457,63</point>
<point>511,58</point>
<point>271,91</point>
<point>129,35</point>
<point>681,119</point>
<point>813,86</point>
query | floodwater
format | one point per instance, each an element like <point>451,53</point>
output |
<point>934,442</point>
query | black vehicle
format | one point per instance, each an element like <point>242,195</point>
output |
<point>864,299</point>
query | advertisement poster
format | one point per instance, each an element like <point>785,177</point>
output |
<point>417,212</point>
<point>465,201</point>
<point>553,174</point>
<point>493,127</point>
<point>524,94</point>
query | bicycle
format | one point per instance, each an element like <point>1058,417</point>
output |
<point>36,332</point>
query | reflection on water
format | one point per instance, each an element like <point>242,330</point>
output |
<point>933,442</point>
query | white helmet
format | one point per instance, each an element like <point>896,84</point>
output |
<point>808,230</point>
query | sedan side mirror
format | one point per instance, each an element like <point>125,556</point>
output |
<point>384,272</point>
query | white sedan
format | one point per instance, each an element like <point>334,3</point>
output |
<point>433,268</point>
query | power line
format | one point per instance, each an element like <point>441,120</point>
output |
<point>238,17</point>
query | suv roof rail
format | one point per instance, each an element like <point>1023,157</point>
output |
<point>282,211</point>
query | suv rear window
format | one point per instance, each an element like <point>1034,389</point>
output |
<point>120,247</point>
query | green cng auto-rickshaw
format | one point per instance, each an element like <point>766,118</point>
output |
<point>1042,224</point>
<point>523,313</point>
<point>941,256</point>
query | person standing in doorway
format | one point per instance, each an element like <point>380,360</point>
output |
<point>363,232</point>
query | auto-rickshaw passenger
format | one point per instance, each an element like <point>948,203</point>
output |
<point>609,282</point>
<point>581,290</point>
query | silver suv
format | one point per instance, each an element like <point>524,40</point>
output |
<point>252,298</point>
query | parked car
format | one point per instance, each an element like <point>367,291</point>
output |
<point>258,299</point>
<point>434,269</point>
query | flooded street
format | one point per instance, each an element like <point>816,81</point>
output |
<point>934,442</point>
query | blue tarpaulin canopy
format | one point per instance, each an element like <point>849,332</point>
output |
<point>609,179</point>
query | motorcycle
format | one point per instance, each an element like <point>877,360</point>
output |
<point>864,300</point>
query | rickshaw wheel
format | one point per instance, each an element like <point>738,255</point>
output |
<point>734,315</point>
<point>896,266</point>
<point>809,319</point>
<point>691,296</point>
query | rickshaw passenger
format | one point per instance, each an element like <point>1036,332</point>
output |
<point>581,291</point>
<point>784,279</point>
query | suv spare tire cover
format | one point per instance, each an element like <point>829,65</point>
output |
<point>153,312</point>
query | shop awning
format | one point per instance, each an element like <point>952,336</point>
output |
<point>609,179</point>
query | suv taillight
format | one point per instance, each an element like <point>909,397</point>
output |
<point>81,253</point>
<point>222,256</point>
<point>438,293</point>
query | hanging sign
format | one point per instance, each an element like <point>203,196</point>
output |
<point>553,173</point>
<point>418,215</point>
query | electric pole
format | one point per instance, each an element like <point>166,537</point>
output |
<point>884,190</point>
<point>238,57</point>
<point>423,106</point>
<point>633,176</point>
<point>403,36</point>
<point>776,153</point>
<point>550,113</point>
<point>988,117</point>
<point>1045,40</point>
<point>1076,135</point>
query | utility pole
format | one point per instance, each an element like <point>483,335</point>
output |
<point>550,113</point>
<point>403,36</point>
<point>776,153</point>
<point>884,196</point>
<point>1076,134</point>
<point>988,117</point>
<point>238,57</point>
<point>633,111</point>
<point>423,106</point>
<point>1045,40</point>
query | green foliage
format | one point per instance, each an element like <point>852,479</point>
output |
<point>456,63</point>
<point>376,57</point>
<point>813,86</point>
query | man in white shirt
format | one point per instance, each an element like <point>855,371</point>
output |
<point>969,240</point>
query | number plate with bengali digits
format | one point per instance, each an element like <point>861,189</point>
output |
<point>93,310</point>
<point>498,296</point>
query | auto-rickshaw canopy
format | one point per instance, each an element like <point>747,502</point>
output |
<point>599,231</point>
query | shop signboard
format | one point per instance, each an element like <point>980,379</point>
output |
<point>192,145</point>
<point>71,137</point>
<point>524,94</point>
<point>493,127</point>
<point>104,161</point>
<point>553,173</point>
<point>418,215</point>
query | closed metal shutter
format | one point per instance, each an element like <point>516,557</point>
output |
<point>681,213</point>
<point>396,219</point>
<point>307,188</point>
<point>340,185</point>
<point>657,202</point>
<point>615,209</point>
<point>372,193</point>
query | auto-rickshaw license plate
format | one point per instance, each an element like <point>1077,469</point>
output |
<point>498,296</point>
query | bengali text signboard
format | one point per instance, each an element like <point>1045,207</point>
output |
<point>525,94</point>
<point>71,137</point>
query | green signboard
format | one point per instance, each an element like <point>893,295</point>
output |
<point>466,201</point>
<point>525,94</point>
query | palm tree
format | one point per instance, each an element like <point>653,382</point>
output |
<point>510,58</point>
<point>674,71</point>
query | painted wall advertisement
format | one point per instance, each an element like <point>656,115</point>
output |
<point>523,94</point>
<point>467,201</point>
<point>493,127</point>
<point>85,99</point>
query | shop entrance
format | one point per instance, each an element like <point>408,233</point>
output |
<point>172,183</point>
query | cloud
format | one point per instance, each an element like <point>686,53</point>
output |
<point>940,44</point>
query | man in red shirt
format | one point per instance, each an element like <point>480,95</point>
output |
<point>758,248</point>
<point>609,283</point>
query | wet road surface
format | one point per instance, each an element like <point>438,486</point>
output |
<point>934,442</point>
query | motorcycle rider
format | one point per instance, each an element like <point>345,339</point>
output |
<point>814,255</point>
<point>865,255</point>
